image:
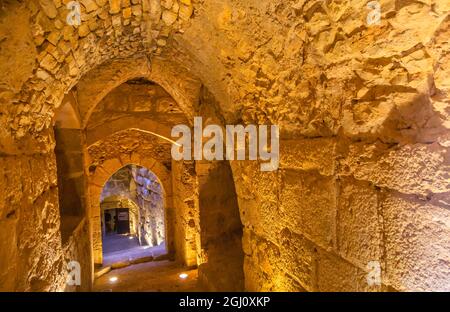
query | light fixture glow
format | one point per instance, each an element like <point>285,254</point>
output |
<point>183,275</point>
<point>131,237</point>
<point>113,279</point>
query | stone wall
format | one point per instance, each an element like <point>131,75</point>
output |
<point>150,198</point>
<point>363,111</point>
<point>187,236</point>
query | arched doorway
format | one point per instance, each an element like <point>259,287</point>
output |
<point>132,215</point>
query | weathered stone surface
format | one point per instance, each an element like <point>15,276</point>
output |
<point>314,199</point>
<point>185,12</point>
<point>90,5</point>
<point>363,112</point>
<point>83,30</point>
<point>412,169</point>
<point>336,274</point>
<point>359,222</point>
<point>169,17</point>
<point>412,261</point>
<point>8,254</point>
<point>317,154</point>
<point>298,259</point>
<point>114,6</point>
<point>49,8</point>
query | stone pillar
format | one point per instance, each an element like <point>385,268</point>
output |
<point>186,214</point>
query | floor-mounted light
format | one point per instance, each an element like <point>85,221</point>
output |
<point>113,279</point>
<point>183,275</point>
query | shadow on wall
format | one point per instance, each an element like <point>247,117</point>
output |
<point>221,229</point>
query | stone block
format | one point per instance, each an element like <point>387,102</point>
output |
<point>298,259</point>
<point>417,236</point>
<point>335,274</point>
<point>309,154</point>
<point>8,254</point>
<point>49,8</point>
<point>308,204</point>
<point>11,187</point>
<point>185,12</point>
<point>114,6</point>
<point>111,165</point>
<point>169,17</point>
<point>89,5</point>
<point>410,169</point>
<point>359,225</point>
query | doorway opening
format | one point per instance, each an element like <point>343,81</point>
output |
<point>132,216</point>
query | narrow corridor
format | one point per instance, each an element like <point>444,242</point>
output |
<point>254,145</point>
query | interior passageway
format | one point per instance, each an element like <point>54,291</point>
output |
<point>358,199</point>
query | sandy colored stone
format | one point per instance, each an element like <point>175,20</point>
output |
<point>364,124</point>
<point>83,30</point>
<point>49,8</point>
<point>169,17</point>
<point>114,6</point>
<point>185,12</point>
<point>126,12</point>
<point>90,5</point>
<point>410,225</point>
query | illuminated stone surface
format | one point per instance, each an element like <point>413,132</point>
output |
<point>364,113</point>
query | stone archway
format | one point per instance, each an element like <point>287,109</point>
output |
<point>102,173</point>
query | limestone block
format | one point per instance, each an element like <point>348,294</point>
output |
<point>336,274</point>
<point>169,17</point>
<point>54,37</point>
<point>44,167</point>
<point>359,225</point>
<point>11,190</point>
<point>116,21</point>
<point>167,4</point>
<point>410,169</point>
<point>261,265</point>
<point>125,3</point>
<point>49,8</point>
<point>93,25</point>
<point>111,165</point>
<point>308,204</point>
<point>83,30</point>
<point>90,5</point>
<point>114,6</point>
<point>417,236</point>
<point>8,254</point>
<point>49,63</point>
<point>126,13</point>
<point>185,12</point>
<point>137,10</point>
<point>298,259</point>
<point>308,154</point>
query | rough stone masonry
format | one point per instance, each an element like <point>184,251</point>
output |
<point>364,117</point>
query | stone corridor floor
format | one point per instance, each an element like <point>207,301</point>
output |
<point>120,248</point>
<point>149,277</point>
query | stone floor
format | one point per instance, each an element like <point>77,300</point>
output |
<point>149,277</point>
<point>121,248</point>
